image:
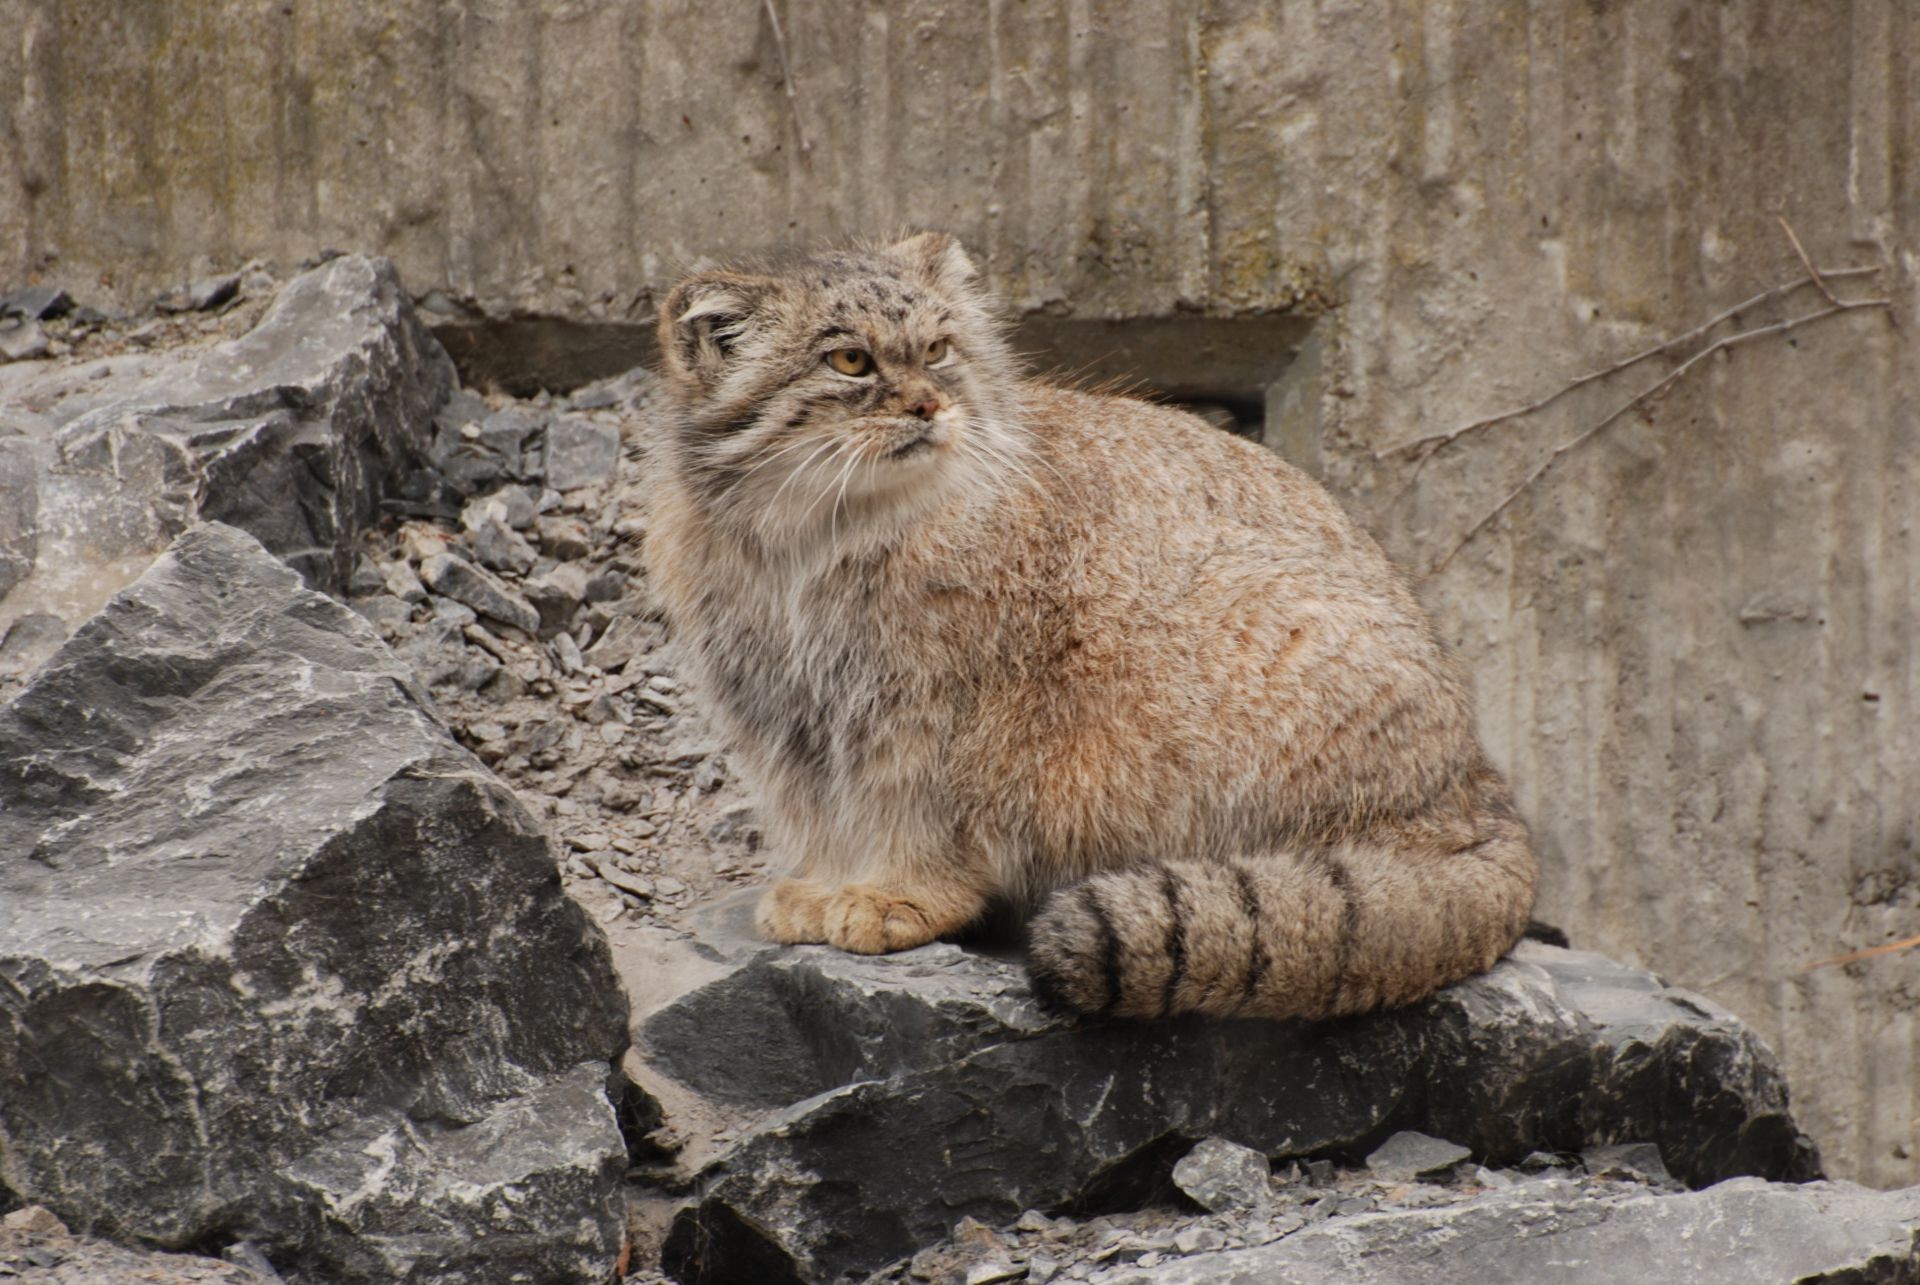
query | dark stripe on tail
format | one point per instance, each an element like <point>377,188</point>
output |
<point>1176,938</point>
<point>1110,946</point>
<point>1259,963</point>
<point>1341,878</point>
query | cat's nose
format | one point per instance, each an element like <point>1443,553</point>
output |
<point>924,409</point>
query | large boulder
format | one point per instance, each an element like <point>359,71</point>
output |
<point>879,1099</point>
<point>291,432</point>
<point>280,962</point>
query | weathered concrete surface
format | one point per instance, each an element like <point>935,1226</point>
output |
<point>280,962</point>
<point>1692,638</point>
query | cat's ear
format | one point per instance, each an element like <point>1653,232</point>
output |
<point>704,317</point>
<point>937,258</point>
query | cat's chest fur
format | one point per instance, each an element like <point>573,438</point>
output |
<point>818,666</point>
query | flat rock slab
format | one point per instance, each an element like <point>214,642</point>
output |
<point>290,432</point>
<point>280,962</point>
<point>1737,1233</point>
<point>894,1095</point>
<point>1408,1155</point>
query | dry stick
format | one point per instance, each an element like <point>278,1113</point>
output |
<point>1804,260</point>
<point>1868,953</point>
<point>786,75</point>
<point>1434,441</point>
<point>1721,345</point>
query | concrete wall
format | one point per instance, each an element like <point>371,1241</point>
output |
<point>1693,637</point>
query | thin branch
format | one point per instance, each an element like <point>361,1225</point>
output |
<point>1667,381</point>
<point>786,75</point>
<point>1434,441</point>
<point>1805,262</point>
<point>1855,956</point>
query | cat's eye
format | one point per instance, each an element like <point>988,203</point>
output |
<point>851,361</point>
<point>936,352</point>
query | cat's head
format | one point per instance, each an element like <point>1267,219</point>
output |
<point>846,393</point>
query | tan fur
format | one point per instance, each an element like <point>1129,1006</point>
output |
<point>1068,651</point>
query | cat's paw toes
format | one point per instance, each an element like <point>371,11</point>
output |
<point>793,912</point>
<point>872,921</point>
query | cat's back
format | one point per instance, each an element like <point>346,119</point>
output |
<point>1149,495</point>
<point>1184,597</point>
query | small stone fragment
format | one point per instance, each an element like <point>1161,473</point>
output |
<point>203,295</point>
<point>29,640</point>
<point>387,614</point>
<point>606,585</point>
<point>1636,1160</point>
<point>556,593</point>
<point>638,885</point>
<point>22,341</point>
<point>404,583</point>
<point>1198,1240</point>
<point>1221,1175</point>
<point>34,1220</point>
<point>36,303</point>
<point>563,537</point>
<point>581,451</point>
<point>1407,1155</point>
<point>366,577</point>
<point>501,548</point>
<point>454,576</point>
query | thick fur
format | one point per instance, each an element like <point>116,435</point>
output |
<point>1076,652</point>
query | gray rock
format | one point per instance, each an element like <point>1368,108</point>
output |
<point>403,582</point>
<point>22,341</point>
<point>517,506</point>
<point>557,593</point>
<point>384,612</point>
<point>910,1089</point>
<point>606,585</point>
<point>366,577</point>
<point>290,432</point>
<point>459,454</point>
<point>501,548</point>
<point>1220,1176</point>
<point>564,537</point>
<point>30,640</point>
<point>36,303</point>
<point>202,295</point>
<point>1636,1160</point>
<point>512,436</point>
<point>452,575</point>
<point>581,451</point>
<point>282,962</point>
<point>1408,1155</point>
<point>1737,1233</point>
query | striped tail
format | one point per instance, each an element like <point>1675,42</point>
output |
<point>1310,934</point>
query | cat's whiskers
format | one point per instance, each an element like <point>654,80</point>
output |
<point>773,502</point>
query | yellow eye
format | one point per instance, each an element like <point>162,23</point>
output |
<point>851,361</point>
<point>936,352</point>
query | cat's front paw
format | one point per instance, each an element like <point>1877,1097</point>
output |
<point>870,920</point>
<point>793,912</point>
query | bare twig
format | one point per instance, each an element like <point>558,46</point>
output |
<point>1666,381</point>
<point>1425,446</point>
<point>786,75</point>
<point>1857,955</point>
<point>1804,260</point>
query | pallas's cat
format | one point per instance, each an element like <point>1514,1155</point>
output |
<point>982,640</point>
